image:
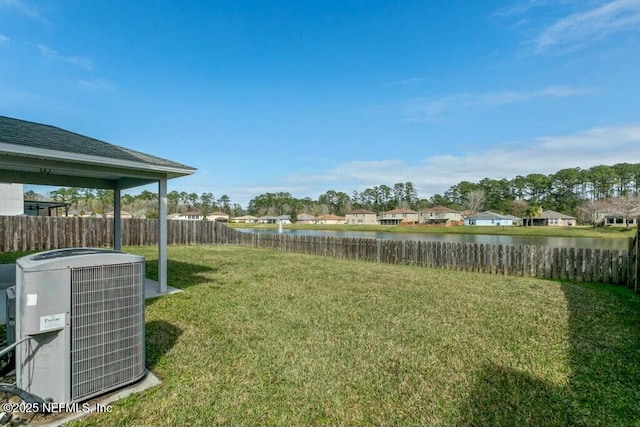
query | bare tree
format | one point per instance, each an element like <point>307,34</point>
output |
<point>591,211</point>
<point>474,200</point>
<point>519,208</point>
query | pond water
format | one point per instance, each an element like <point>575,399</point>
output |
<point>569,242</point>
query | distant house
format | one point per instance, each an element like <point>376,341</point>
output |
<point>516,219</point>
<point>612,217</point>
<point>619,220</point>
<point>245,219</point>
<point>11,199</point>
<point>194,216</point>
<point>489,218</point>
<point>553,219</point>
<point>439,215</point>
<point>305,218</point>
<point>45,208</point>
<point>398,215</point>
<point>81,213</point>
<point>283,219</point>
<point>267,219</point>
<point>361,217</point>
<point>330,219</point>
<point>218,216</point>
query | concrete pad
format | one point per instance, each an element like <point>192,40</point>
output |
<point>152,289</point>
<point>101,404</point>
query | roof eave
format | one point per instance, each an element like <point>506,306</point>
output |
<point>45,154</point>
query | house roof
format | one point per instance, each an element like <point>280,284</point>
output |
<point>490,215</point>
<point>439,209</point>
<point>549,214</point>
<point>217,213</point>
<point>360,211</point>
<point>305,216</point>
<point>37,153</point>
<point>330,217</point>
<point>400,211</point>
<point>250,217</point>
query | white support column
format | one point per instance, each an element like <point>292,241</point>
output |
<point>162,235</point>
<point>117,221</point>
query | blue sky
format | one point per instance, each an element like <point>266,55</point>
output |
<point>307,96</point>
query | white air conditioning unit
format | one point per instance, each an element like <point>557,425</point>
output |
<point>83,310</point>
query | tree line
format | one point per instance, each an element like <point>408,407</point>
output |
<point>572,191</point>
<point>98,202</point>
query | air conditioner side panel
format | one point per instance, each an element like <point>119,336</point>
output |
<point>44,300</point>
<point>43,304</point>
<point>45,371</point>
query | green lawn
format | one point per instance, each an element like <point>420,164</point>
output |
<point>580,231</point>
<point>260,337</point>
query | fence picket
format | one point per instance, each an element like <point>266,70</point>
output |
<point>21,233</point>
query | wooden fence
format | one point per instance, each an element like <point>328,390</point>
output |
<point>576,264</point>
<point>29,233</point>
<point>634,262</point>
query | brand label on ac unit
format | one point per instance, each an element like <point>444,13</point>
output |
<point>52,321</point>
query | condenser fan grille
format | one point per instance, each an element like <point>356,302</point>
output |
<point>107,327</point>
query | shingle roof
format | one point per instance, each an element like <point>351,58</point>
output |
<point>554,214</point>
<point>330,217</point>
<point>400,211</point>
<point>305,216</point>
<point>440,209</point>
<point>360,211</point>
<point>36,135</point>
<point>490,215</point>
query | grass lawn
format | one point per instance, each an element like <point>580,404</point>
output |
<point>260,337</point>
<point>580,231</point>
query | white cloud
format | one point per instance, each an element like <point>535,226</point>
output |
<point>53,55</point>
<point>27,9</point>
<point>435,174</point>
<point>4,39</point>
<point>436,109</point>
<point>519,8</point>
<point>582,28</point>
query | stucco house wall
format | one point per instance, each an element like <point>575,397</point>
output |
<point>439,213</point>
<point>11,199</point>
<point>330,219</point>
<point>361,217</point>
<point>218,216</point>
<point>488,219</point>
<point>396,216</point>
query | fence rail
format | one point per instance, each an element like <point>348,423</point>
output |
<point>578,264</point>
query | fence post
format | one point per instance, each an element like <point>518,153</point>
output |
<point>634,259</point>
<point>637,250</point>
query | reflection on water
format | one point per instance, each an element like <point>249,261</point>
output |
<point>574,242</point>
